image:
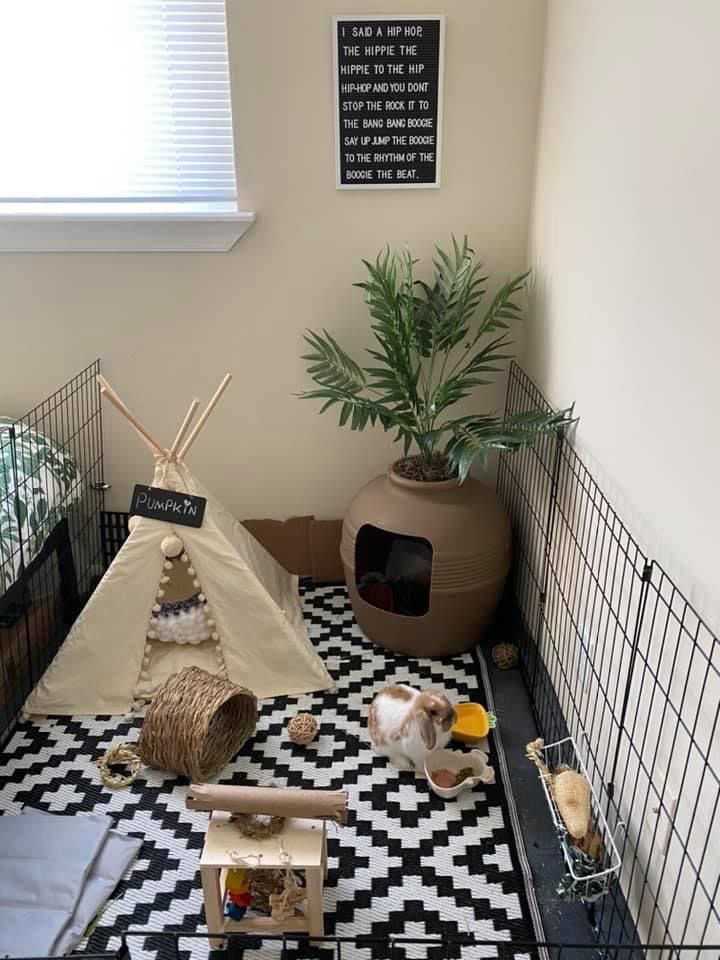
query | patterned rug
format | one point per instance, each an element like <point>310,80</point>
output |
<point>407,863</point>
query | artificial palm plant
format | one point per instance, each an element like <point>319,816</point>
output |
<point>433,348</point>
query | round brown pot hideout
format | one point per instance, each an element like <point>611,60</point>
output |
<point>425,562</point>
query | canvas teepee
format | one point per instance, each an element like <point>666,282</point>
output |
<point>179,596</point>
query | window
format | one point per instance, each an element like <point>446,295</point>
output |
<point>116,115</point>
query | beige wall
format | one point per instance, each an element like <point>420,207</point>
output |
<point>168,325</point>
<point>623,321</point>
<point>624,242</point>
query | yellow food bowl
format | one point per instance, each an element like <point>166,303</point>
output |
<point>473,723</point>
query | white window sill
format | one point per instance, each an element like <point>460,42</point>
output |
<point>140,228</point>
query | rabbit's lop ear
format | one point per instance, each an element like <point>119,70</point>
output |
<point>427,728</point>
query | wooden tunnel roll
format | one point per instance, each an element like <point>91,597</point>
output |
<point>271,801</point>
<point>196,723</point>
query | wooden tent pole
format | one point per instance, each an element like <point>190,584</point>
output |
<point>184,426</point>
<point>108,391</point>
<point>204,416</point>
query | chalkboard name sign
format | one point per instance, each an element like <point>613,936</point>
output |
<point>388,100</point>
<point>177,508</point>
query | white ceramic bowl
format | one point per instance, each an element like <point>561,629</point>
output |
<point>456,760</point>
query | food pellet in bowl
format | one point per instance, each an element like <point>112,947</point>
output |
<point>443,778</point>
<point>463,775</point>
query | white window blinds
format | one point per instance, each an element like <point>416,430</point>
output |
<point>116,104</point>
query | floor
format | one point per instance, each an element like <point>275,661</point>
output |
<point>407,863</point>
<point>563,922</point>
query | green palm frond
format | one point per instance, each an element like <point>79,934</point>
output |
<point>430,352</point>
<point>330,365</point>
<point>473,437</point>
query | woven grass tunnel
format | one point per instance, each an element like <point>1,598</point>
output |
<point>196,723</point>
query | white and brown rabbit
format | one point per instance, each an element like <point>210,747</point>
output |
<point>405,724</point>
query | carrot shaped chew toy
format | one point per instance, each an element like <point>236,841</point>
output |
<point>569,789</point>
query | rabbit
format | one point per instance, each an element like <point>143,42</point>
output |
<point>405,725</point>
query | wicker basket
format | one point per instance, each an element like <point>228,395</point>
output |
<point>196,723</point>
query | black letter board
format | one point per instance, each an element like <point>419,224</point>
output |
<point>176,508</point>
<point>388,100</point>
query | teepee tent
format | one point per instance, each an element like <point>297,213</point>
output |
<point>178,596</point>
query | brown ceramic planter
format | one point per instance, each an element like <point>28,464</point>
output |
<point>462,532</point>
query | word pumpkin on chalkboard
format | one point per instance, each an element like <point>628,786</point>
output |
<point>388,100</point>
<point>159,504</point>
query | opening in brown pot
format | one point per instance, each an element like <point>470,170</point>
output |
<point>393,571</point>
<point>449,541</point>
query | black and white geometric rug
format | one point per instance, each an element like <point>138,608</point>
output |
<point>407,863</point>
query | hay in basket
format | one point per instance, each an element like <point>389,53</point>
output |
<point>196,723</point>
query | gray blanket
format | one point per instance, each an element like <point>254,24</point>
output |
<point>56,873</point>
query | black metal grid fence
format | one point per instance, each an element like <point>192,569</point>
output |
<point>176,945</point>
<point>614,655</point>
<point>50,547</point>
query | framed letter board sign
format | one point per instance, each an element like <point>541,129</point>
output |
<point>388,100</point>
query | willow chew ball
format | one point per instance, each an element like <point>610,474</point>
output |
<point>505,655</point>
<point>302,728</point>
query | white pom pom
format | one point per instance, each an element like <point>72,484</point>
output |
<point>157,608</point>
<point>185,558</point>
<point>167,565</point>
<point>201,597</point>
<point>215,636</point>
<point>146,661</point>
<point>164,579</point>
<point>160,594</point>
<point>210,622</point>
<point>148,647</point>
<point>152,634</point>
<point>132,523</point>
<point>196,582</point>
<point>171,546</point>
<point>191,571</point>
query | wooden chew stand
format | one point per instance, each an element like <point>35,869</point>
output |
<point>302,838</point>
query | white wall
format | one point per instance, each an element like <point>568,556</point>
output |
<point>624,242</point>
<point>624,321</point>
<point>167,326</point>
